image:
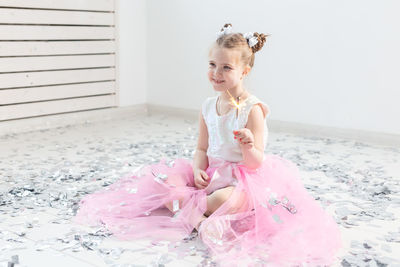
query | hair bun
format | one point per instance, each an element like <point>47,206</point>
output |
<point>262,38</point>
<point>226,25</point>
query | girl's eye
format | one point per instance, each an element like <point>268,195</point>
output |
<point>227,67</point>
<point>212,65</point>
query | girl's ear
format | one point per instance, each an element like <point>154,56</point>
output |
<point>246,71</point>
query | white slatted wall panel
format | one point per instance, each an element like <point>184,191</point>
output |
<point>56,56</point>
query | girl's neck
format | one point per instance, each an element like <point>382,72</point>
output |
<point>234,92</point>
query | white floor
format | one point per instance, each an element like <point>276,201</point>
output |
<point>45,173</point>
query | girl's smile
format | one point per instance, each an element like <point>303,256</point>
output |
<point>218,81</point>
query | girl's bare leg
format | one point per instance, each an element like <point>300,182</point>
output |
<point>170,205</point>
<point>214,201</point>
<point>217,198</point>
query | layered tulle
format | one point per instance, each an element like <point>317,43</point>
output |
<point>269,216</point>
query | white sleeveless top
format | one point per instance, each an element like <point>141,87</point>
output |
<point>221,142</point>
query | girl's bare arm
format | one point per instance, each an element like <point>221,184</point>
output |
<point>200,159</point>
<point>255,123</point>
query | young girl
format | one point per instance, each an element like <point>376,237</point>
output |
<point>242,202</point>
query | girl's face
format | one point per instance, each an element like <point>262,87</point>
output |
<point>225,69</point>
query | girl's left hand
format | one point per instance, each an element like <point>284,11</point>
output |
<point>245,138</point>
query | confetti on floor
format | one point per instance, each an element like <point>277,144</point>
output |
<point>44,174</point>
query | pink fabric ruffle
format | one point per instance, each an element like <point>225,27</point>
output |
<point>269,216</point>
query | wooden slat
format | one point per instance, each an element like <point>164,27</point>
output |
<point>56,56</point>
<point>35,16</point>
<point>25,32</point>
<point>22,48</point>
<point>97,5</point>
<point>13,64</point>
<point>24,79</point>
<point>56,106</point>
<point>23,95</point>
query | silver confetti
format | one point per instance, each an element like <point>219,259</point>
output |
<point>132,190</point>
<point>160,177</point>
<point>49,169</point>
<point>175,205</point>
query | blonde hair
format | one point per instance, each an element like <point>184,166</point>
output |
<point>237,41</point>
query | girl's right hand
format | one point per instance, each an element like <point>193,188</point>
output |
<point>201,179</point>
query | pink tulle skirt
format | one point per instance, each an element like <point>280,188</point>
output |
<point>269,215</point>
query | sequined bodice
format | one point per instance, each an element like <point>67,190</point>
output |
<point>221,142</point>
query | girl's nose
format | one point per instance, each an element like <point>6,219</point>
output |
<point>218,71</point>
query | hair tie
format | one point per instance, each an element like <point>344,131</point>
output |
<point>224,31</point>
<point>251,39</point>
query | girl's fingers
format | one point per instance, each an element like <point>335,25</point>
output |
<point>203,186</point>
<point>204,181</point>
<point>241,131</point>
<point>204,176</point>
<point>201,177</point>
<point>244,140</point>
<point>200,185</point>
<point>239,136</point>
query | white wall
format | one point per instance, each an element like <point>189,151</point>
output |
<point>131,20</point>
<point>330,63</point>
